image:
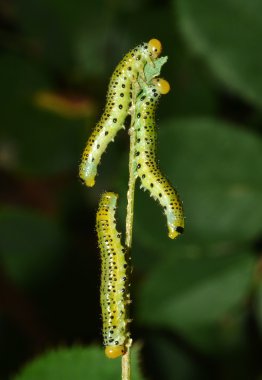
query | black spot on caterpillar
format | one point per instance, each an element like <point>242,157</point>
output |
<point>117,106</point>
<point>114,291</point>
<point>146,163</point>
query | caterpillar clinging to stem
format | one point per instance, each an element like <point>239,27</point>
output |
<point>117,106</point>
<point>145,155</point>
<point>131,91</point>
<point>114,291</point>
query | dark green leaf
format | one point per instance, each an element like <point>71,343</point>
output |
<point>228,35</point>
<point>77,363</point>
<point>194,294</point>
<point>35,141</point>
<point>169,362</point>
<point>30,245</point>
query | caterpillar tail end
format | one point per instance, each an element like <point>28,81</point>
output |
<point>87,178</point>
<point>173,233</point>
<point>113,352</point>
<point>89,182</point>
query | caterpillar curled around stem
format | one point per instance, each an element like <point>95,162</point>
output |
<point>114,291</point>
<point>119,98</point>
<point>145,155</point>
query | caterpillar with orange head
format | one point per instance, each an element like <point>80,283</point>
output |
<point>114,290</point>
<point>119,101</point>
<point>145,155</point>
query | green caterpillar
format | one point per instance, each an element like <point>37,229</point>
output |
<point>119,98</point>
<point>114,291</point>
<point>145,155</point>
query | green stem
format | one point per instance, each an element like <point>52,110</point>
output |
<point>131,189</point>
<point>129,220</point>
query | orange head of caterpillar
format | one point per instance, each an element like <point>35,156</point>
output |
<point>113,352</point>
<point>155,47</point>
<point>162,85</point>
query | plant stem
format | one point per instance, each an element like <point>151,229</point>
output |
<point>129,221</point>
<point>131,189</point>
<point>126,363</point>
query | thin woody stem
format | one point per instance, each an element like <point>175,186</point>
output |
<point>126,373</point>
<point>131,188</point>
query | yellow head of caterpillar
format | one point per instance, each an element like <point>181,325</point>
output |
<point>155,46</point>
<point>113,352</point>
<point>162,85</point>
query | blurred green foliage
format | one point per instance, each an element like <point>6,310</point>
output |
<point>78,363</point>
<point>197,301</point>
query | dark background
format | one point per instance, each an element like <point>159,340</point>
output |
<point>197,301</point>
